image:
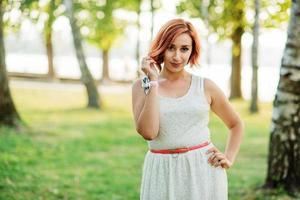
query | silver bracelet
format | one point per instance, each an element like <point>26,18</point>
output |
<point>147,84</point>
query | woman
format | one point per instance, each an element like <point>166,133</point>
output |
<point>171,110</point>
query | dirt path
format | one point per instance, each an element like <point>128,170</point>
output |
<point>111,88</point>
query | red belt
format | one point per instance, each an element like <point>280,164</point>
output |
<point>180,150</point>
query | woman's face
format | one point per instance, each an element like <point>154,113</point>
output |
<point>178,53</point>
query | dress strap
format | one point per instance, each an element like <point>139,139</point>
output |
<point>201,84</point>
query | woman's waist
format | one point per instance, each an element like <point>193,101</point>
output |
<point>177,142</point>
<point>182,149</point>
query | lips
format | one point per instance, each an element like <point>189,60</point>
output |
<point>175,64</point>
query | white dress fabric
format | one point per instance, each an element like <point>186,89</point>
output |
<point>184,176</point>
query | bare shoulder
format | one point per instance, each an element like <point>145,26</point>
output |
<point>209,84</point>
<point>220,104</point>
<point>213,92</point>
<point>211,87</point>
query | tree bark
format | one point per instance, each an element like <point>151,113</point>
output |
<point>203,6</point>
<point>8,113</point>
<point>86,77</point>
<point>152,18</point>
<point>235,79</point>
<point>284,148</point>
<point>49,47</point>
<point>254,84</point>
<point>105,66</point>
<point>48,37</point>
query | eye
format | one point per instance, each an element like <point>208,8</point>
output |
<point>171,48</point>
<point>184,49</point>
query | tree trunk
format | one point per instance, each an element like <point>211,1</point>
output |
<point>105,66</point>
<point>254,84</point>
<point>203,6</point>
<point>235,79</point>
<point>48,37</point>
<point>152,18</point>
<point>49,47</point>
<point>8,113</point>
<point>138,42</point>
<point>284,148</point>
<point>86,77</point>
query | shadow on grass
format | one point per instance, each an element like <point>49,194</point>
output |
<point>262,193</point>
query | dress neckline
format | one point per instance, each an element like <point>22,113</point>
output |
<point>183,96</point>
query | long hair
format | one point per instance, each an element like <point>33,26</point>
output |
<point>167,34</point>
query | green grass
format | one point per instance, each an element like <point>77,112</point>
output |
<point>69,152</point>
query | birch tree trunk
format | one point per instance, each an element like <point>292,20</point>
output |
<point>254,84</point>
<point>8,113</point>
<point>284,149</point>
<point>138,42</point>
<point>152,18</point>
<point>86,77</point>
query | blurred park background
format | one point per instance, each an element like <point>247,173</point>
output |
<point>66,71</point>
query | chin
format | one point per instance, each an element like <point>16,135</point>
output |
<point>174,69</point>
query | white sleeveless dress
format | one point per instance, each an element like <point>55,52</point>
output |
<point>184,176</point>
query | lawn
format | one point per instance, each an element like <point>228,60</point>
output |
<point>70,152</point>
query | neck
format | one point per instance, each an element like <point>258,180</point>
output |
<point>172,76</point>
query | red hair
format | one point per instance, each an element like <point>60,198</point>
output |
<point>167,34</point>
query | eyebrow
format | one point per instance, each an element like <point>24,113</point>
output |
<point>185,45</point>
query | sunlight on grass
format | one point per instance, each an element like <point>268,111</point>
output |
<point>70,152</point>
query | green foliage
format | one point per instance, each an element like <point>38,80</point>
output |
<point>275,13</point>
<point>37,11</point>
<point>225,16</point>
<point>133,5</point>
<point>221,17</point>
<point>75,153</point>
<point>98,18</point>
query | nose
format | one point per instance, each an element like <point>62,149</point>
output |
<point>176,55</point>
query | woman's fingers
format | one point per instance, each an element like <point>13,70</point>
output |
<point>212,150</point>
<point>148,66</point>
<point>217,158</point>
<point>214,159</point>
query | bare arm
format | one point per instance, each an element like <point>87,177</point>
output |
<point>223,109</point>
<point>145,111</point>
<point>146,107</point>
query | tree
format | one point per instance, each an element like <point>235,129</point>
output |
<point>254,83</point>
<point>227,19</point>
<point>50,9</point>
<point>136,7</point>
<point>284,148</point>
<point>8,113</point>
<point>104,29</point>
<point>154,5</point>
<point>138,41</point>
<point>46,12</point>
<point>204,9</point>
<point>86,77</point>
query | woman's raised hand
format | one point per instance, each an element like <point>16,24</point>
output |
<point>149,67</point>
